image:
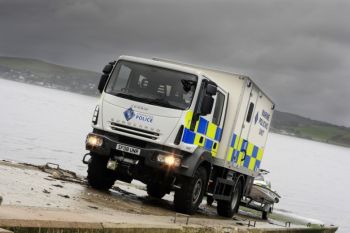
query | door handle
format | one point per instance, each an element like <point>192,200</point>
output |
<point>245,153</point>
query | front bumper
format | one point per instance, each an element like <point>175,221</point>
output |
<point>105,145</point>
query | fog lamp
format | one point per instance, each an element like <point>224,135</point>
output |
<point>94,141</point>
<point>169,160</point>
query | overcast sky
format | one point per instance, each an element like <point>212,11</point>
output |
<point>297,51</point>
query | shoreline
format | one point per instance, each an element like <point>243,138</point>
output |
<point>45,199</point>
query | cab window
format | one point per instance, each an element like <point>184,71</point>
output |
<point>219,106</point>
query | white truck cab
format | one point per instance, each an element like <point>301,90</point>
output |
<point>178,127</point>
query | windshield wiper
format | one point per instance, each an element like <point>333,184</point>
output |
<point>158,101</point>
<point>161,102</point>
<point>127,96</point>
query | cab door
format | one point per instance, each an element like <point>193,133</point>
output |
<point>205,130</point>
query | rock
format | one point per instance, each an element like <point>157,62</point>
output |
<point>45,191</point>
<point>62,195</point>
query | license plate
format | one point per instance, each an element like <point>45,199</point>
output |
<point>128,149</point>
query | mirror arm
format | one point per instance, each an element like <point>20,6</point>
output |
<point>195,118</point>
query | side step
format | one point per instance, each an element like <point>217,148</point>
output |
<point>223,189</point>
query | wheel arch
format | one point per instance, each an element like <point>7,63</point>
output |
<point>207,166</point>
<point>200,157</point>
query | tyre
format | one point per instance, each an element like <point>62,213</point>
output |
<point>210,200</point>
<point>99,176</point>
<point>188,198</point>
<point>229,208</point>
<point>155,190</point>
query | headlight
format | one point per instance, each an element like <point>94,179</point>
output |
<point>95,115</point>
<point>169,160</point>
<point>94,141</point>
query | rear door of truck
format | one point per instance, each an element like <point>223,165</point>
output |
<point>243,141</point>
<point>258,131</point>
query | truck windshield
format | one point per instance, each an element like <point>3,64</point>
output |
<point>152,85</point>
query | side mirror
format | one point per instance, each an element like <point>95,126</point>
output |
<point>207,105</point>
<point>211,89</point>
<point>102,82</point>
<point>107,69</point>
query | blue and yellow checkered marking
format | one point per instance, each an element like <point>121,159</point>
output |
<point>202,126</point>
<point>253,154</point>
<point>218,134</point>
<point>188,136</point>
<point>206,134</point>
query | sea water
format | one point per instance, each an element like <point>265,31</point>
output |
<point>40,125</point>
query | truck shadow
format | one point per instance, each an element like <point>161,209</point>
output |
<point>134,199</point>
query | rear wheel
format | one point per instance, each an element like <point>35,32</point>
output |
<point>188,198</point>
<point>155,190</point>
<point>99,176</point>
<point>229,208</point>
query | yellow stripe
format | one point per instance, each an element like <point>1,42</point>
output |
<point>240,144</point>
<point>229,156</point>
<point>236,143</point>
<point>196,128</point>
<point>260,154</point>
<point>250,148</point>
<point>211,130</point>
<point>188,119</point>
<point>252,163</point>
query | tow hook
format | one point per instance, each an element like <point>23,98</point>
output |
<point>175,186</point>
<point>84,158</point>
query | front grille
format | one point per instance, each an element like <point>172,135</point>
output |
<point>134,131</point>
<point>118,153</point>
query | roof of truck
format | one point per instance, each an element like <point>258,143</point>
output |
<point>220,77</point>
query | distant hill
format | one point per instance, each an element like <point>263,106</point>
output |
<point>49,75</point>
<point>294,125</point>
<point>85,82</point>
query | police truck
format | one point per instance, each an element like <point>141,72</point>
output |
<point>180,128</point>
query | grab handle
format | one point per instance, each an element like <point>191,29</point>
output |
<point>245,153</point>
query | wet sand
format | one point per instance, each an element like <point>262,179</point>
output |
<point>51,196</point>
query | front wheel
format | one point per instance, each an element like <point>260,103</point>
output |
<point>99,176</point>
<point>229,208</point>
<point>188,198</point>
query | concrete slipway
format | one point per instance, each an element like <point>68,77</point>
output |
<point>43,199</point>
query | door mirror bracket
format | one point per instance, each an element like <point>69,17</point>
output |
<point>102,83</point>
